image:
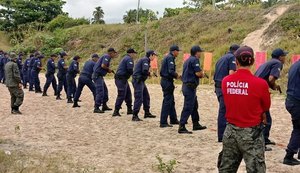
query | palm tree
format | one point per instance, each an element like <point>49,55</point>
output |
<point>98,16</point>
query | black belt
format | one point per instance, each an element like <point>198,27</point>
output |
<point>191,85</point>
<point>121,77</point>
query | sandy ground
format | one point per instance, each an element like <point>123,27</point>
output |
<point>118,144</point>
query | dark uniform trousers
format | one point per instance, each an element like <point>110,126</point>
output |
<point>50,79</point>
<point>17,96</point>
<point>36,80</point>
<point>293,106</point>
<point>62,83</point>
<point>82,81</point>
<point>30,79</point>
<point>221,114</point>
<point>168,105</point>
<point>268,126</point>
<point>2,76</point>
<point>124,93</point>
<point>101,91</point>
<point>71,84</point>
<point>25,78</point>
<point>239,143</point>
<point>141,96</point>
<point>190,104</point>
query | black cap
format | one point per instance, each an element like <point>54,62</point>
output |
<point>111,50</point>
<point>174,48</point>
<point>196,49</point>
<point>76,58</point>
<point>234,47</point>
<point>63,53</point>
<point>278,53</point>
<point>130,50</point>
<point>244,51</point>
<point>41,57</point>
<point>53,55</point>
<point>150,52</point>
<point>95,56</point>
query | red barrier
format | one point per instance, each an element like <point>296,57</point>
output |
<point>295,58</point>
<point>154,64</point>
<point>260,58</point>
<point>186,56</point>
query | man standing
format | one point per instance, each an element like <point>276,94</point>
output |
<point>25,70</point>
<point>1,66</point>
<point>101,68</point>
<point>141,94</point>
<point>190,78</point>
<point>124,72</point>
<point>20,65</point>
<point>85,78</point>
<point>31,64</point>
<point>50,78</point>
<point>35,71</point>
<point>72,72</point>
<point>61,75</point>
<point>168,74</point>
<point>225,66</point>
<point>270,72</point>
<point>14,84</point>
<point>246,98</point>
<point>293,106</point>
<point>4,61</point>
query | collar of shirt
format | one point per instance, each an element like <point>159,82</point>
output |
<point>244,71</point>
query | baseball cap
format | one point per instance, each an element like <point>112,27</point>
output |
<point>63,53</point>
<point>41,56</point>
<point>95,56</point>
<point>278,53</point>
<point>174,48</point>
<point>76,58</point>
<point>234,47</point>
<point>130,50</point>
<point>13,56</point>
<point>244,51</point>
<point>196,49</point>
<point>150,52</point>
<point>111,50</point>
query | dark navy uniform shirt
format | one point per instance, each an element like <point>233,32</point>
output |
<point>271,68</point>
<point>88,68</point>
<point>224,65</point>
<point>26,65</point>
<point>60,65</point>
<point>32,61</point>
<point>98,70</point>
<point>141,69</point>
<point>190,67</point>
<point>293,88</point>
<point>19,62</point>
<point>4,60</point>
<point>73,69</point>
<point>50,66</point>
<point>168,67</point>
<point>125,68</point>
<point>37,65</point>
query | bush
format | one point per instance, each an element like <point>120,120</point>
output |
<point>63,21</point>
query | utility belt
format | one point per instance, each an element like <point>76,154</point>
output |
<point>218,84</point>
<point>119,77</point>
<point>255,130</point>
<point>191,85</point>
<point>86,75</point>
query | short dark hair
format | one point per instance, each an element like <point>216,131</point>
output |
<point>245,60</point>
<point>53,55</point>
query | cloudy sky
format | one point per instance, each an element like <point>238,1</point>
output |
<point>115,9</point>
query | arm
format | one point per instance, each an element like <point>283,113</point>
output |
<point>130,66</point>
<point>232,65</point>
<point>171,68</point>
<point>198,71</point>
<point>16,73</point>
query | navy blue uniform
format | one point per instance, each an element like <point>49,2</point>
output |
<point>20,65</point>
<point>72,72</point>
<point>125,70</point>
<point>61,76</point>
<point>50,78</point>
<point>190,83</point>
<point>98,74</point>
<point>141,94</point>
<point>223,66</point>
<point>25,72</point>
<point>36,68</point>
<point>293,106</point>
<point>3,62</point>
<point>168,74</point>
<point>85,78</point>
<point>30,77</point>
<point>271,68</point>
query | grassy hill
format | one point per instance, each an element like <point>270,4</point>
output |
<point>4,42</point>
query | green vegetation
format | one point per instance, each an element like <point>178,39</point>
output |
<point>144,16</point>
<point>163,167</point>
<point>64,21</point>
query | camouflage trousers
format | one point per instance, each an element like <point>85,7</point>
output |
<point>242,143</point>
<point>17,96</point>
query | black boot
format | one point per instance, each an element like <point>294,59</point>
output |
<point>70,100</point>
<point>58,97</point>
<point>105,107</point>
<point>44,94</point>
<point>98,111</point>
<point>149,115</point>
<point>75,105</point>
<point>135,117</point>
<point>289,159</point>
<point>183,130</point>
<point>15,110</point>
<point>299,155</point>
<point>165,125</point>
<point>129,110</point>
<point>175,122</point>
<point>197,126</point>
<point>116,113</point>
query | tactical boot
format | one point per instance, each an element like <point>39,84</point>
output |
<point>183,130</point>
<point>165,125</point>
<point>269,142</point>
<point>16,110</point>
<point>149,115</point>
<point>105,107</point>
<point>116,113</point>
<point>98,111</point>
<point>129,111</point>
<point>197,126</point>
<point>135,117</point>
<point>299,155</point>
<point>175,122</point>
<point>58,97</point>
<point>44,94</point>
<point>70,100</point>
<point>290,160</point>
<point>75,105</point>
<point>38,91</point>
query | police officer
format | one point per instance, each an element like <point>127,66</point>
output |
<point>14,84</point>
<point>25,72</point>
<point>270,71</point>
<point>85,78</point>
<point>50,78</point>
<point>4,61</point>
<point>141,94</point>
<point>293,106</point>
<point>20,65</point>
<point>31,78</point>
<point>35,71</point>
<point>124,72</point>
<point>190,78</point>
<point>72,72</point>
<point>246,98</point>
<point>61,74</point>
<point>225,66</point>
<point>168,74</point>
<point>1,66</point>
<point>101,68</point>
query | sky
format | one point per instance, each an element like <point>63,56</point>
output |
<point>115,9</point>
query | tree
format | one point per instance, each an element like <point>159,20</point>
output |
<point>98,16</point>
<point>199,3</point>
<point>64,21</point>
<point>144,16</point>
<point>19,12</point>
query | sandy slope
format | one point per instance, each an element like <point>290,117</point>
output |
<point>109,144</point>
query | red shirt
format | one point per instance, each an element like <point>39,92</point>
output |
<point>246,98</point>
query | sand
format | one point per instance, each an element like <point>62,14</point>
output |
<point>118,144</point>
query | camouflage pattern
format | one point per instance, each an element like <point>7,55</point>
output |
<point>17,96</point>
<point>242,143</point>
